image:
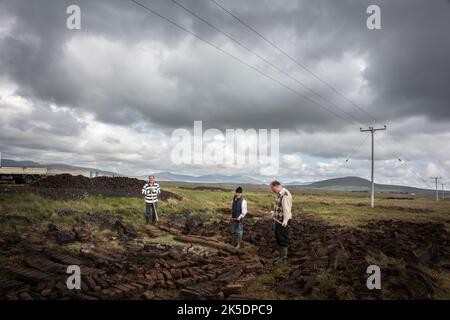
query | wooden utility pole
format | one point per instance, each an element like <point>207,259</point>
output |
<point>372,130</point>
<point>437,190</point>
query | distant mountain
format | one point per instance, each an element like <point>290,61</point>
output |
<point>14,163</point>
<point>296,183</point>
<point>168,176</point>
<point>209,178</point>
<point>57,168</point>
<point>338,184</point>
<point>358,184</point>
<point>355,183</point>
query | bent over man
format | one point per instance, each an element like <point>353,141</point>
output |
<point>238,212</point>
<point>282,216</point>
<point>151,192</point>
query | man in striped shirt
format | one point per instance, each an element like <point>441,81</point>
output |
<point>151,192</point>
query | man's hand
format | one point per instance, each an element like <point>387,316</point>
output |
<point>284,224</point>
<point>272,213</point>
<point>238,218</point>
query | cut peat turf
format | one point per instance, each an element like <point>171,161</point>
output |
<point>325,262</point>
<point>331,262</point>
<point>68,187</point>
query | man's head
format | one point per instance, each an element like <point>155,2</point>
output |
<point>276,186</point>
<point>151,179</point>
<point>238,192</point>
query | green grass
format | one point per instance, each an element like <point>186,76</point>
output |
<point>165,239</point>
<point>351,209</point>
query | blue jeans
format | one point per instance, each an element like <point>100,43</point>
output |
<point>150,207</point>
<point>237,227</point>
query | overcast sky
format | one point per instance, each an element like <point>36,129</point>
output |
<point>110,94</point>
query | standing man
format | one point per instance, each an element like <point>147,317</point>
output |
<point>151,192</point>
<point>238,212</point>
<point>282,216</point>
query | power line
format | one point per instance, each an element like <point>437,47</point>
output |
<point>237,59</point>
<point>347,159</point>
<point>302,66</point>
<point>439,164</point>
<point>404,162</point>
<point>242,45</point>
<point>265,60</point>
<point>292,59</point>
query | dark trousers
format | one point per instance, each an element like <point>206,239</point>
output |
<point>282,234</point>
<point>237,228</point>
<point>150,207</point>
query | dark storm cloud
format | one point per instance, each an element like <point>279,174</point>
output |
<point>104,69</point>
<point>409,68</point>
<point>407,65</point>
<point>31,55</point>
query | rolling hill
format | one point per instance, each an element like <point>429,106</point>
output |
<point>349,184</point>
<point>356,184</point>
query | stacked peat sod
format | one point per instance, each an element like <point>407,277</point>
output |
<point>68,187</point>
<point>331,261</point>
<point>39,272</point>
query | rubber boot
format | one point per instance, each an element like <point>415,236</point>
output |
<point>285,252</point>
<point>233,239</point>
<point>283,255</point>
<point>239,240</point>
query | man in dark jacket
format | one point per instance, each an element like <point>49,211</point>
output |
<point>238,212</point>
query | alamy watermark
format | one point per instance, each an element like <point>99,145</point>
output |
<point>73,21</point>
<point>235,147</point>
<point>74,280</point>
<point>373,22</point>
<point>374,278</point>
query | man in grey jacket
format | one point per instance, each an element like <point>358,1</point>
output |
<point>282,215</point>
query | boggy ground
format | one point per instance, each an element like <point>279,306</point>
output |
<point>187,255</point>
<point>117,261</point>
<point>328,261</point>
<point>325,261</point>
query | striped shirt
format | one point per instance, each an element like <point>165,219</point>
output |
<point>151,192</point>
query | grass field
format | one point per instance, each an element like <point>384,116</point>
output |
<point>348,209</point>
